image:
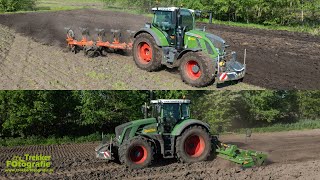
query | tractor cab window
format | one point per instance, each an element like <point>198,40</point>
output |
<point>185,111</point>
<point>187,19</point>
<point>171,115</point>
<point>163,20</point>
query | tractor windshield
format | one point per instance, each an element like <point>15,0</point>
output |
<point>171,111</point>
<point>163,20</point>
<point>176,111</point>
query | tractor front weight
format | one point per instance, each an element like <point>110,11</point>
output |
<point>105,151</point>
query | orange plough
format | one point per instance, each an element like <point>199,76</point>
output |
<point>100,47</point>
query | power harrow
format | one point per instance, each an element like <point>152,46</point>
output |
<point>246,158</point>
<point>101,46</point>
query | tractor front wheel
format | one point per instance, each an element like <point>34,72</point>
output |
<point>146,53</point>
<point>197,69</point>
<point>136,153</point>
<point>193,145</point>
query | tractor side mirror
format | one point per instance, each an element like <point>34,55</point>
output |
<point>144,110</point>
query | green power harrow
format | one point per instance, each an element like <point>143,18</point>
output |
<point>246,158</point>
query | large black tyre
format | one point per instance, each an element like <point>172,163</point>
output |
<point>146,53</point>
<point>136,153</point>
<point>197,69</point>
<point>193,145</point>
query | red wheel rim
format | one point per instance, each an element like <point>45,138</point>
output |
<point>145,52</point>
<point>138,154</point>
<point>194,145</point>
<point>193,70</point>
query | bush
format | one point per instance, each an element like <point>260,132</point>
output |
<point>17,5</point>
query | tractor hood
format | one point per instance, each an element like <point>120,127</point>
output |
<point>217,41</point>
<point>124,129</point>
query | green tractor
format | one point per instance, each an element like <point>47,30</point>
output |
<point>172,40</point>
<point>169,132</point>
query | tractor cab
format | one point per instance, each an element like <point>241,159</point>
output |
<point>170,112</point>
<point>172,19</point>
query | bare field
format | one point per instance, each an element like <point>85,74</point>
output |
<point>291,155</point>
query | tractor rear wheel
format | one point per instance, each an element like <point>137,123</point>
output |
<point>146,53</point>
<point>193,145</point>
<point>136,153</point>
<point>197,69</point>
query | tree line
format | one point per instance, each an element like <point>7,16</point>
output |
<point>17,5</point>
<point>271,12</point>
<point>78,113</point>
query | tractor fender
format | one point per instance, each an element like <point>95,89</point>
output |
<point>188,50</point>
<point>149,31</point>
<point>178,129</point>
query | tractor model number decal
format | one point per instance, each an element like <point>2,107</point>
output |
<point>150,130</point>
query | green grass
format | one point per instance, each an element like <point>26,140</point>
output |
<point>33,140</point>
<point>305,29</point>
<point>300,125</point>
<point>63,5</point>
<point>58,5</point>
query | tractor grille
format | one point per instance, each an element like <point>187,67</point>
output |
<point>127,134</point>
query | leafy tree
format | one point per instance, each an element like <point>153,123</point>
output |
<point>76,113</point>
<point>215,108</point>
<point>271,12</point>
<point>309,104</point>
<point>110,108</point>
<point>17,5</point>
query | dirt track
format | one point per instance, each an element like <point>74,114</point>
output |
<point>292,155</point>
<point>276,59</point>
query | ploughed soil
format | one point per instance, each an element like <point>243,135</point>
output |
<point>32,55</point>
<point>291,155</point>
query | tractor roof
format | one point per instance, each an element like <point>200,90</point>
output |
<point>170,9</point>
<point>167,101</point>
